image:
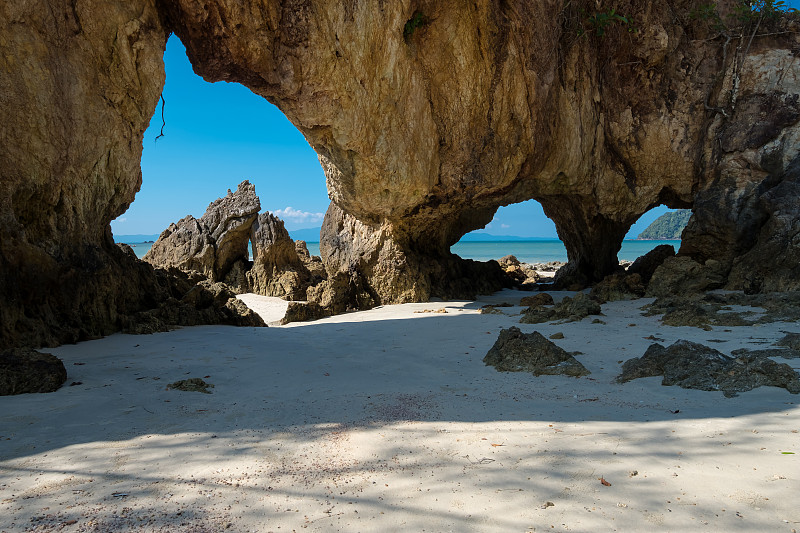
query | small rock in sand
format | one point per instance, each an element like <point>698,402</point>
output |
<point>694,366</point>
<point>191,385</point>
<point>515,351</point>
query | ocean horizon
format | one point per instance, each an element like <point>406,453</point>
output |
<point>528,251</point>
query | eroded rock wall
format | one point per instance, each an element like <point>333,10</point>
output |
<point>428,115</point>
<point>79,82</point>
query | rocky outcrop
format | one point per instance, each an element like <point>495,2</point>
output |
<point>568,309</point>
<point>684,275</point>
<point>778,239</point>
<point>213,244</point>
<point>422,134</point>
<point>647,264</point>
<point>278,269</point>
<point>523,275</point>
<point>514,351</point>
<point>694,366</point>
<point>24,370</point>
<point>194,303</point>
<point>392,273</point>
<point>498,103</point>
<point>618,286</point>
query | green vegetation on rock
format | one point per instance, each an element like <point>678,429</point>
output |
<point>668,226</point>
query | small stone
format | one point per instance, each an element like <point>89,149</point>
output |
<point>191,385</point>
<point>515,351</point>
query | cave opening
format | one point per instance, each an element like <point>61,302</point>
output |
<point>525,231</point>
<point>521,230</point>
<point>215,136</point>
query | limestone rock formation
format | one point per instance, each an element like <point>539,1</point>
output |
<point>186,245</point>
<point>515,351</point>
<point>24,370</point>
<point>422,135</point>
<point>618,286</point>
<point>694,366</point>
<point>683,275</point>
<point>278,269</point>
<point>523,274</point>
<point>647,264</point>
<point>537,300</point>
<point>513,80</point>
<point>569,309</point>
<point>216,242</point>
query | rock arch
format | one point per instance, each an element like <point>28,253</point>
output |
<point>423,130</point>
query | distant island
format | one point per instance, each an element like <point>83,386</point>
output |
<point>668,226</point>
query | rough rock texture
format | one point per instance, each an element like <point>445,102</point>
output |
<point>186,245</point>
<point>790,340</point>
<point>618,286</point>
<point>278,269</point>
<point>694,366</point>
<point>778,239</point>
<point>24,370</point>
<point>495,103</point>
<point>647,264</point>
<point>717,309</point>
<point>537,300</point>
<point>392,273</point>
<point>785,353</point>
<point>514,351</point>
<point>684,275</point>
<point>303,311</point>
<point>216,242</point>
<point>568,309</point>
<point>194,303</point>
<point>191,385</point>
<point>422,135</point>
<point>78,85</point>
<point>523,274</point>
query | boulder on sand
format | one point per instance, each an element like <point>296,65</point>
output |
<point>515,351</point>
<point>23,370</point>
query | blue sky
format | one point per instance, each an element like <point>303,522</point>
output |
<point>217,135</point>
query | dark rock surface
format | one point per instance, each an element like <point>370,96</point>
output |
<point>790,340</point>
<point>303,312</point>
<point>784,353</point>
<point>568,309</point>
<point>684,275</point>
<point>515,351</point>
<point>191,385</point>
<point>23,371</point>
<point>537,300</point>
<point>618,286</point>
<point>695,366</point>
<point>647,264</point>
<point>714,309</point>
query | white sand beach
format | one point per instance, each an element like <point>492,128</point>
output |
<point>388,420</point>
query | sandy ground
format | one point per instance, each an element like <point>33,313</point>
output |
<point>388,420</point>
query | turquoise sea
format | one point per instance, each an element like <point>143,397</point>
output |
<point>539,251</point>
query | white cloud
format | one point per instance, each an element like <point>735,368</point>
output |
<point>120,220</point>
<point>504,226</point>
<point>291,214</point>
